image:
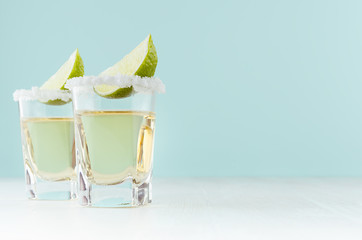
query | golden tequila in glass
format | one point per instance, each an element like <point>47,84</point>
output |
<point>47,133</point>
<point>117,147</point>
<point>114,141</point>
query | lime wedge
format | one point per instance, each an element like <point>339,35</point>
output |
<point>73,67</point>
<point>142,61</point>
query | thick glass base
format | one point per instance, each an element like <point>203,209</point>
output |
<point>125,194</point>
<point>37,188</point>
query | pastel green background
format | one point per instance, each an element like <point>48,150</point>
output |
<point>254,87</point>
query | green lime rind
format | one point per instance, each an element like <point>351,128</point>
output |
<point>56,102</point>
<point>149,64</point>
<point>117,93</point>
<point>77,71</point>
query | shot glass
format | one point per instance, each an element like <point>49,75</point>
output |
<point>47,137</point>
<point>114,144</point>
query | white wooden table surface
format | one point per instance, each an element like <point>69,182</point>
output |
<point>197,208</point>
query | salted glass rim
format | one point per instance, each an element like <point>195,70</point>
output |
<point>139,84</point>
<point>36,93</point>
